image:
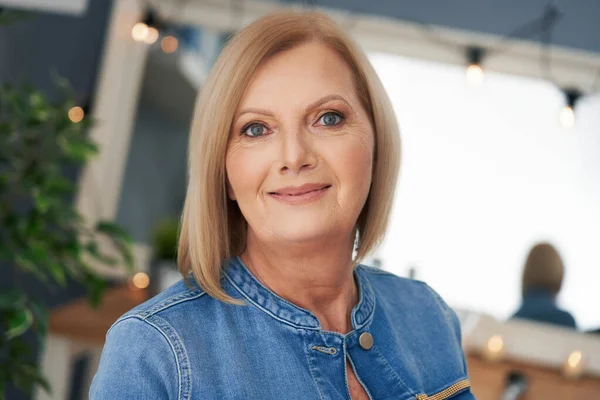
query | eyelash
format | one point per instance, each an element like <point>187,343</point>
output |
<point>338,113</point>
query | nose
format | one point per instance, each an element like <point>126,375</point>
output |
<point>297,152</point>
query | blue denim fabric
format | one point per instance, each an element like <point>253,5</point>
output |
<point>183,344</point>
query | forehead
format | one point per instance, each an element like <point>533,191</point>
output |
<point>302,74</point>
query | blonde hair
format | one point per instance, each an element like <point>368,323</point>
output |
<point>543,269</point>
<point>212,226</point>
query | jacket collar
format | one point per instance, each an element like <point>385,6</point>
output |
<point>255,292</point>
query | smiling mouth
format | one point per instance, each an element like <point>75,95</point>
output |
<point>299,191</point>
<point>300,195</point>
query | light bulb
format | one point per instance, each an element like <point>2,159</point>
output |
<point>474,75</point>
<point>169,44</point>
<point>76,114</point>
<point>567,117</point>
<point>573,368</point>
<point>574,359</point>
<point>141,280</point>
<point>139,32</point>
<point>495,344</point>
<point>152,35</point>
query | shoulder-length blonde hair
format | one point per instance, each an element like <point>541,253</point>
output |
<point>212,227</point>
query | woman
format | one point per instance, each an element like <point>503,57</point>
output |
<point>542,280</point>
<point>294,156</point>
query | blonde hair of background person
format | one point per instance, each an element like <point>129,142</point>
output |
<point>293,161</point>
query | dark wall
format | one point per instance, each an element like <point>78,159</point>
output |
<point>30,49</point>
<point>40,43</point>
<point>155,176</point>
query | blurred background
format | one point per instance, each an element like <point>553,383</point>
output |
<point>499,109</point>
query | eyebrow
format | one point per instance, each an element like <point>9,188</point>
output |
<point>311,106</point>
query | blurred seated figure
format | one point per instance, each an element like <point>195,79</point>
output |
<point>542,279</point>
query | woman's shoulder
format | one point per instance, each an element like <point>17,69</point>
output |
<point>140,344</point>
<point>385,282</point>
<point>396,293</point>
<point>181,294</point>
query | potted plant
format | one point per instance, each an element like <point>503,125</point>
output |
<point>164,242</point>
<point>42,235</point>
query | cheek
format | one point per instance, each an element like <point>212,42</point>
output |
<point>245,171</point>
<point>352,161</point>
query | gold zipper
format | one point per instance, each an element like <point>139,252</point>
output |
<point>446,393</point>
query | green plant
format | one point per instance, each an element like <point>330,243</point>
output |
<point>164,239</point>
<point>42,234</point>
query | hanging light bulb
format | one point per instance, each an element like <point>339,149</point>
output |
<point>152,35</point>
<point>139,281</point>
<point>76,114</point>
<point>169,44</point>
<point>474,71</point>
<point>574,366</point>
<point>146,30</point>
<point>139,32</point>
<point>567,113</point>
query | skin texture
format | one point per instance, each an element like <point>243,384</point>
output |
<point>300,122</point>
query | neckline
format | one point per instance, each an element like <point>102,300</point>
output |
<point>238,274</point>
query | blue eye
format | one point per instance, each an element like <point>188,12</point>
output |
<point>331,118</point>
<point>254,130</point>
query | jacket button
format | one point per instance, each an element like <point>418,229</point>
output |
<point>366,341</point>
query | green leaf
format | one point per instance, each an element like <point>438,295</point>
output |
<point>92,249</point>
<point>11,299</point>
<point>26,376</point>
<point>113,230</point>
<point>19,350</point>
<point>28,266</point>
<point>42,202</point>
<point>19,322</point>
<point>40,314</point>
<point>95,287</point>
<point>58,272</point>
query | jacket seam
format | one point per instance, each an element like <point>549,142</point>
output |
<point>260,284</point>
<point>387,364</point>
<point>143,315</point>
<point>170,302</point>
<point>176,346</point>
<point>167,338</point>
<point>310,367</point>
<point>269,312</point>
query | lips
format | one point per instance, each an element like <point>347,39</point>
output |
<point>300,190</point>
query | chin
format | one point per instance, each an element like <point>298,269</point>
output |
<point>305,229</point>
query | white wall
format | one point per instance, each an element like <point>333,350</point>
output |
<point>486,173</point>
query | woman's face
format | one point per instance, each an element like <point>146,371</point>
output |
<point>300,154</point>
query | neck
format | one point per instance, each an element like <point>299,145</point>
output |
<point>317,278</point>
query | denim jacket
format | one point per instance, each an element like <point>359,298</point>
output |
<point>184,344</point>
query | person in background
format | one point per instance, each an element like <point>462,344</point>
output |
<point>542,280</point>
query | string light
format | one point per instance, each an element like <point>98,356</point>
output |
<point>494,348</point>
<point>567,113</point>
<point>573,368</point>
<point>139,281</point>
<point>146,30</point>
<point>169,44</point>
<point>76,114</point>
<point>474,73</point>
<point>139,32</point>
<point>152,35</point>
